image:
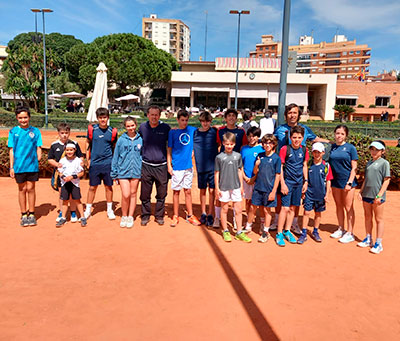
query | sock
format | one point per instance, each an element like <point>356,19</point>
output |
<point>88,207</point>
<point>109,206</point>
<point>379,241</point>
<point>217,212</point>
<point>368,237</point>
<point>315,229</point>
<point>226,230</point>
<point>234,214</point>
<point>24,213</point>
<point>248,226</point>
<point>294,221</point>
<point>266,228</point>
<point>276,218</point>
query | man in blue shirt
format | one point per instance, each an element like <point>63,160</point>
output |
<point>154,164</point>
<point>179,159</point>
<point>25,151</point>
<point>100,144</point>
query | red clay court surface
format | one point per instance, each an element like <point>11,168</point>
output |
<point>103,282</point>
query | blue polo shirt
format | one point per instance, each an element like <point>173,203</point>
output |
<point>282,133</point>
<point>340,160</point>
<point>249,156</point>
<point>267,170</point>
<point>317,174</point>
<point>155,140</point>
<point>181,142</point>
<point>24,143</point>
<point>241,138</point>
<point>205,149</point>
<point>293,169</point>
<point>101,151</point>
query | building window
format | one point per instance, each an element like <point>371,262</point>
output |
<point>382,101</point>
<point>156,42</point>
<point>342,76</point>
<point>319,70</point>
<point>349,76</point>
<point>272,54</point>
<point>272,47</point>
<point>350,60</point>
<point>344,61</point>
<point>164,43</point>
<point>321,63</point>
<point>358,52</point>
<point>260,55</point>
<point>350,68</point>
<point>357,60</point>
<point>346,101</point>
<point>356,68</point>
<point>351,52</point>
<point>314,63</point>
<point>344,53</point>
<point>313,70</point>
<point>266,48</point>
<point>266,55</point>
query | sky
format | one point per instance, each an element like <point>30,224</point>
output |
<point>368,21</point>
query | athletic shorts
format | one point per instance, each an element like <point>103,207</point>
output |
<point>205,179</point>
<point>341,183</point>
<point>98,173</point>
<point>182,179</point>
<point>69,190</point>
<point>20,178</point>
<point>233,195</point>
<point>261,199</point>
<point>371,200</point>
<point>316,205</point>
<point>293,198</point>
<point>248,190</point>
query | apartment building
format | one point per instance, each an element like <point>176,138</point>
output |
<point>341,56</point>
<point>3,54</point>
<point>170,35</point>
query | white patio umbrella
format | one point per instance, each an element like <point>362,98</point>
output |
<point>72,94</point>
<point>129,97</point>
<point>100,94</point>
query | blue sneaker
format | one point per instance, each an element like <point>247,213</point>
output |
<point>203,219</point>
<point>302,238</point>
<point>59,217</point>
<point>74,218</point>
<point>289,236</point>
<point>280,240</point>
<point>210,220</point>
<point>316,237</point>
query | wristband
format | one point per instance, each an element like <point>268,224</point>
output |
<point>378,197</point>
<point>75,176</point>
<point>350,184</point>
<point>305,180</point>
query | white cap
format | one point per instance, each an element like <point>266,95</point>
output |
<point>318,146</point>
<point>377,145</point>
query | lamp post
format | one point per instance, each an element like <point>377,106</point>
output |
<point>36,11</point>
<point>284,63</point>
<point>44,10</point>
<point>239,13</point>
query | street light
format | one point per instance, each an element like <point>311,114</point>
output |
<point>36,11</point>
<point>239,13</point>
<point>44,10</point>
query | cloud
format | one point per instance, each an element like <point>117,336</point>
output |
<point>358,15</point>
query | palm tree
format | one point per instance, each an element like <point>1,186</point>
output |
<point>344,111</point>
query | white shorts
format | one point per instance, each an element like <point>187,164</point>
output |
<point>233,195</point>
<point>248,190</point>
<point>181,179</point>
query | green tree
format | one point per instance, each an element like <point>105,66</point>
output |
<point>61,83</point>
<point>58,43</point>
<point>344,111</point>
<point>24,73</point>
<point>132,61</point>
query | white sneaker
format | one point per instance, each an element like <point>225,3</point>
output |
<point>111,215</point>
<point>378,248</point>
<point>129,222</point>
<point>74,217</point>
<point>296,229</point>
<point>338,234</point>
<point>87,214</point>
<point>273,227</point>
<point>216,223</point>
<point>347,238</point>
<point>365,243</point>
<point>123,221</point>
<point>248,229</point>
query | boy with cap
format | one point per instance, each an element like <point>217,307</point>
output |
<point>319,186</point>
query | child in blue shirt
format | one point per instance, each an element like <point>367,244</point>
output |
<point>25,144</point>
<point>126,166</point>
<point>316,196</point>
<point>205,151</point>
<point>99,151</point>
<point>294,179</point>
<point>179,161</point>
<point>249,155</point>
<point>267,172</point>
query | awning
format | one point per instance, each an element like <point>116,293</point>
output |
<point>250,91</point>
<point>247,64</point>
<point>347,96</point>
<point>209,88</point>
<point>180,91</point>
<point>295,93</point>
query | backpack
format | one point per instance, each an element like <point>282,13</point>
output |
<point>289,149</point>
<point>246,126</point>
<point>54,182</point>
<point>114,133</point>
